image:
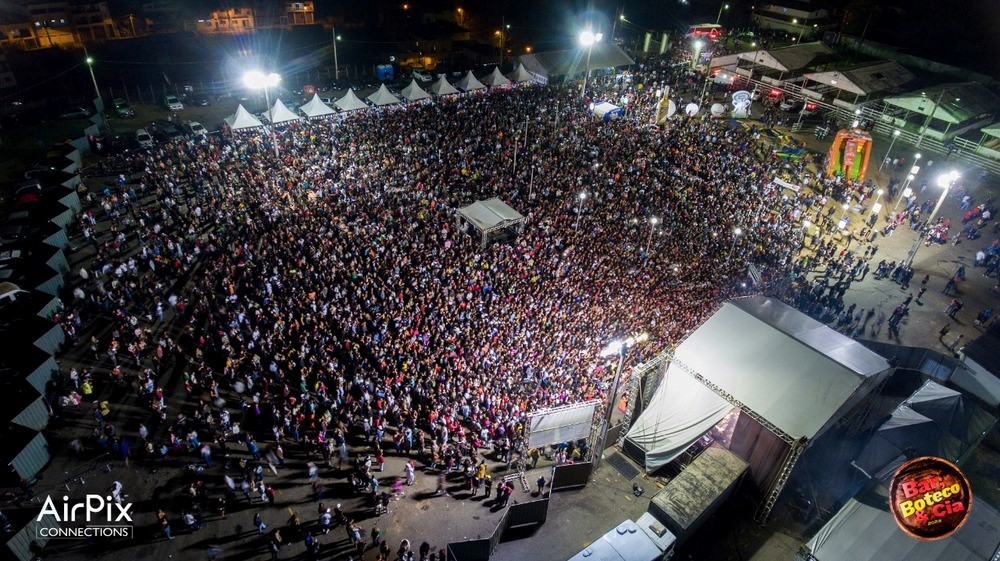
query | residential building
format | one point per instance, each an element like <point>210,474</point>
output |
<point>231,20</point>
<point>74,23</point>
<point>300,13</point>
<point>800,18</point>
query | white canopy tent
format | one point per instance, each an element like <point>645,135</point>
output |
<point>865,531</point>
<point>316,108</point>
<point>495,78</point>
<point>521,74</point>
<point>469,82</point>
<point>242,119</point>
<point>281,114</point>
<point>383,97</point>
<point>350,102</point>
<point>934,421</point>
<point>490,217</point>
<point>442,87</point>
<point>413,92</point>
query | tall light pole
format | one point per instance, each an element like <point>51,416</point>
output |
<point>697,53</point>
<point>652,226</point>
<point>336,65</point>
<point>945,182</point>
<point>503,26</point>
<point>614,26</point>
<point>619,347</point>
<point>875,206</point>
<point>99,102</point>
<point>737,232</point>
<point>587,39</point>
<point>579,210</point>
<point>895,135</point>
<point>914,169</point>
<point>256,79</point>
<point>721,8</point>
<point>904,195</point>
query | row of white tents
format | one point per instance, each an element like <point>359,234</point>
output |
<point>315,107</point>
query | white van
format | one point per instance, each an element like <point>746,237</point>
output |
<point>143,138</point>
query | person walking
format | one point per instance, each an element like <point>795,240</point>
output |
<point>944,330</point>
<point>161,517</point>
<point>953,344</point>
<point>258,523</point>
<point>983,316</point>
<point>954,307</point>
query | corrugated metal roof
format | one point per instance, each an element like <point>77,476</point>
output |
<point>960,102</point>
<point>571,61</point>
<point>865,79</point>
<point>790,59</point>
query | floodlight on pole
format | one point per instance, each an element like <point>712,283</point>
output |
<point>587,39</point>
<point>579,210</point>
<point>255,79</point>
<point>652,226</point>
<point>619,347</point>
<point>945,181</point>
<point>737,232</point>
<point>721,9</point>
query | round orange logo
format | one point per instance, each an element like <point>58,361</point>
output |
<point>929,498</point>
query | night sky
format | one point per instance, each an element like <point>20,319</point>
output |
<point>964,34</point>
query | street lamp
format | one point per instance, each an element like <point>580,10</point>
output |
<point>914,170</point>
<point>619,347</point>
<point>652,226</point>
<point>875,206</point>
<point>579,210</point>
<point>587,39</point>
<point>846,207</point>
<point>721,8</point>
<point>256,80</point>
<point>895,135</point>
<point>945,181</point>
<point>904,195</point>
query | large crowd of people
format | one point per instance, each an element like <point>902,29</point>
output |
<point>328,300</point>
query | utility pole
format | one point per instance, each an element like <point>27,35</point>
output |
<point>927,121</point>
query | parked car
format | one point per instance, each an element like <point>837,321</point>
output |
<point>810,109</point>
<point>165,131</point>
<point>199,100</point>
<point>791,104</point>
<point>10,293</point>
<point>17,231</point>
<point>422,75</point>
<point>194,128</point>
<point>172,103</point>
<point>8,255</point>
<point>123,109</point>
<point>144,139</point>
<point>75,112</point>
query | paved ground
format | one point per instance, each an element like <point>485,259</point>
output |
<point>575,517</point>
